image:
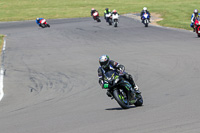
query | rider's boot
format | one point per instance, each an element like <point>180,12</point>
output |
<point>136,89</point>
<point>109,94</point>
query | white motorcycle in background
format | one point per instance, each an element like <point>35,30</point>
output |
<point>115,19</point>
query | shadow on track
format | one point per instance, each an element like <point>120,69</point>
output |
<point>119,108</point>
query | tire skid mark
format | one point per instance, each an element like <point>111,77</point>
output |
<point>56,81</point>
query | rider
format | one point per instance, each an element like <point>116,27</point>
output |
<point>114,12</point>
<point>145,11</point>
<point>38,20</point>
<point>93,11</point>
<point>107,11</point>
<point>106,65</point>
<point>193,17</point>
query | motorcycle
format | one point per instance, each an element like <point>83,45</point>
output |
<point>145,19</point>
<point>197,27</point>
<point>43,23</point>
<point>109,18</point>
<point>120,90</point>
<point>115,18</point>
<point>96,16</point>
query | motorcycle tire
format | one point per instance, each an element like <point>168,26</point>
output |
<point>119,98</point>
<point>98,20</point>
<point>47,25</point>
<point>110,22</point>
<point>146,23</point>
<point>139,101</point>
<point>42,25</point>
<point>115,24</point>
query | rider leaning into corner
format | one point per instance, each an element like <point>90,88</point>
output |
<point>93,11</point>
<point>38,20</point>
<point>194,16</point>
<point>106,65</point>
<point>144,10</point>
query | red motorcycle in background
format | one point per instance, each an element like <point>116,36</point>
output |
<point>197,27</point>
<point>96,16</point>
<point>43,23</point>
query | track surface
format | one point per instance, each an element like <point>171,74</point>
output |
<point>51,83</point>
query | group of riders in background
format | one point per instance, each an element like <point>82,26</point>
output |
<point>195,16</point>
<point>107,11</point>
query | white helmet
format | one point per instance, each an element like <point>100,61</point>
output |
<point>144,8</point>
<point>104,61</point>
<point>196,11</point>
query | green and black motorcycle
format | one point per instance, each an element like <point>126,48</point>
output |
<point>120,89</point>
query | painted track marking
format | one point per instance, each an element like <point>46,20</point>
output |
<point>2,71</point>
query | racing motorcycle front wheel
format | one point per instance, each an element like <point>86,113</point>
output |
<point>121,98</point>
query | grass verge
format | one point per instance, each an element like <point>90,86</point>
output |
<point>175,13</point>
<point>1,42</point>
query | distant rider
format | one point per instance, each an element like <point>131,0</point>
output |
<point>106,65</point>
<point>114,12</point>
<point>93,11</point>
<point>107,11</point>
<point>38,21</point>
<point>143,12</point>
<point>194,16</point>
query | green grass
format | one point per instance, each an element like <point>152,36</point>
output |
<point>1,42</point>
<point>176,13</point>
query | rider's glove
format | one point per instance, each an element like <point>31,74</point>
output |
<point>105,85</point>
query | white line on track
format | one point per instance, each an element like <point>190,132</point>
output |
<point>2,72</point>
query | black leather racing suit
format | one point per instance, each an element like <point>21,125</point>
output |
<point>114,66</point>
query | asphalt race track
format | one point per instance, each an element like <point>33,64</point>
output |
<point>51,83</point>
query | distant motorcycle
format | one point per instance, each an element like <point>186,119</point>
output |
<point>109,18</point>
<point>115,19</point>
<point>96,16</point>
<point>120,90</point>
<point>145,19</point>
<point>197,27</point>
<point>43,23</point>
